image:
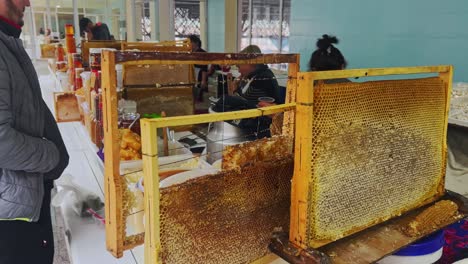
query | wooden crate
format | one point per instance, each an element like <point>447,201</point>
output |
<point>142,75</point>
<point>175,101</point>
<point>151,74</point>
<point>66,107</point>
<point>48,51</point>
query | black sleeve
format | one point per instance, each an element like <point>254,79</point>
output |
<point>276,92</point>
<point>52,133</point>
<point>270,87</point>
<point>266,81</point>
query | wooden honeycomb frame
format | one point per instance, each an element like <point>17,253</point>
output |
<point>164,46</point>
<point>116,240</point>
<point>303,174</point>
<point>109,109</point>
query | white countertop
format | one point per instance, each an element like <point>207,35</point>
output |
<point>87,243</point>
<point>87,237</point>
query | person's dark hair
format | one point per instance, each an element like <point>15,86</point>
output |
<point>83,24</point>
<point>327,57</point>
<point>101,32</point>
<point>195,39</point>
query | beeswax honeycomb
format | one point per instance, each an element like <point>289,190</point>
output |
<point>378,151</point>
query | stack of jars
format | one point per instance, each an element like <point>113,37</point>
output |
<point>95,60</point>
<point>75,68</point>
<point>60,58</point>
<point>96,110</point>
<point>75,64</point>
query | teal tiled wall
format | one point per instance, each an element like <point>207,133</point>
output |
<point>215,26</point>
<point>377,33</point>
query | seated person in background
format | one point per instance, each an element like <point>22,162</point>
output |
<point>327,58</point>
<point>90,31</point>
<point>201,71</point>
<point>47,38</point>
<point>256,80</point>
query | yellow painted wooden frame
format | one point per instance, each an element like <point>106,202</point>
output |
<point>150,164</point>
<point>114,188</point>
<point>303,138</point>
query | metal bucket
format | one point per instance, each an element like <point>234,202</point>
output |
<point>221,134</point>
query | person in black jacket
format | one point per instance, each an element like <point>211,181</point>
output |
<point>256,80</point>
<point>201,71</point>
<point>32,152</point>
<point>98,31</point>
<point>328,58</point>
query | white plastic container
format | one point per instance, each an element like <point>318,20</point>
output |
<point>62,78</point>
<point>423,259</point>
<point>119,76</point>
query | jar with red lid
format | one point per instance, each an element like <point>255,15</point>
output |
<point>95,59</point>
<point>78,79</point>
<point>77,61</point>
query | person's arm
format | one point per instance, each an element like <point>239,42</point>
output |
<point>204,80</point>
<point>276,92</point>
<point>88,35</point>
<point>233,84</point>
<point>52,133</point>
<point>271,86</point>
<point>19,151</point>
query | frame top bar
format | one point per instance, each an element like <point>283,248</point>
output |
<point>325,75</point>
<point>215,117</point>
<point>131,57</point>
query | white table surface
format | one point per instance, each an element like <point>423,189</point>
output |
<point>87,242</point>
<point>87,237</point>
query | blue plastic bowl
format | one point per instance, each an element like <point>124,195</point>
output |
<point>424,246</point>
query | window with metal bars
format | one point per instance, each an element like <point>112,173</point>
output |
<point>146,21</point>
<point>265,23</point>
<point>186,18</point>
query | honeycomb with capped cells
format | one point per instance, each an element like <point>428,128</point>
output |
<point>377,151</point>
<point>228,217</point>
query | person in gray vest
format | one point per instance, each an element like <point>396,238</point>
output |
<point>32,152</point>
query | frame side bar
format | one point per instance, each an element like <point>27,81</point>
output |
<point>152,196</point>
<point>112,182</point>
